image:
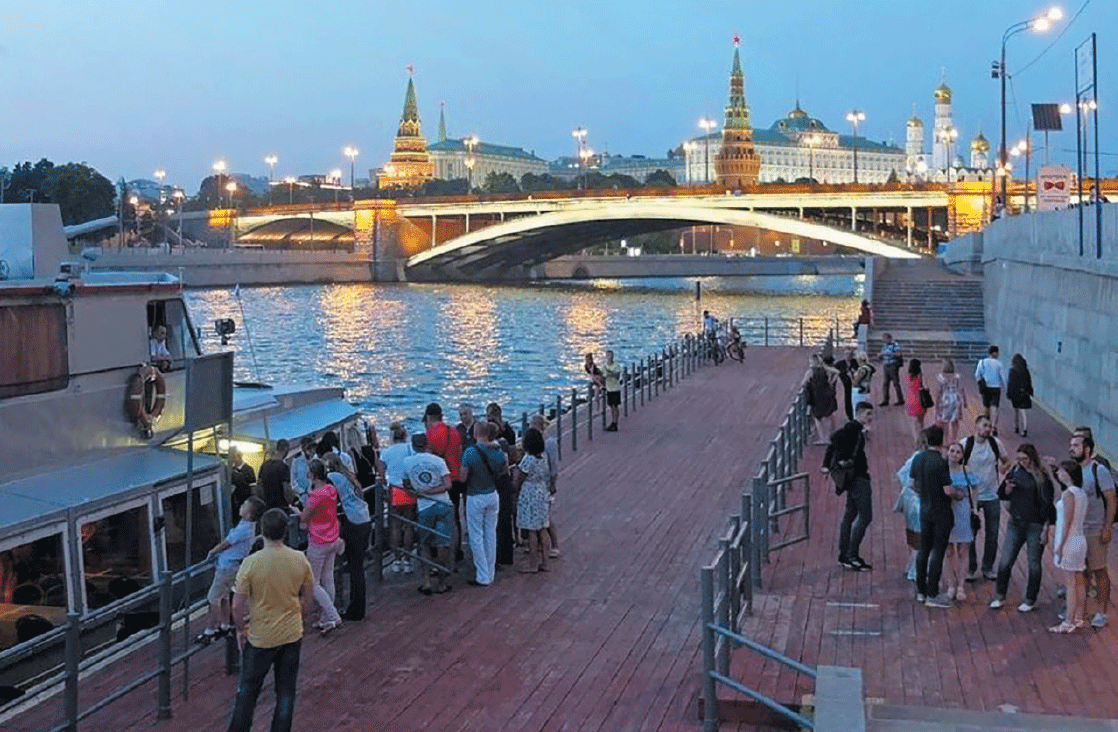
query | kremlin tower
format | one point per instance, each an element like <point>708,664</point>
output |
<point>980,152</point>
<point>943,125</point>
<point>409,165</point>
<point>737,164</point>
<point>914,144</point>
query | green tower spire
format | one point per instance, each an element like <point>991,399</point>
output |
<point>442,122</point>
<point>411,109</point>
<point>737,111</point>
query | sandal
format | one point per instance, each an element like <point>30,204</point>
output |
<point>207,636</point>
<point>1064,627</point>
<point>328,626</point>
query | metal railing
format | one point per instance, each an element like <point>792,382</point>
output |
<point>801,331</point>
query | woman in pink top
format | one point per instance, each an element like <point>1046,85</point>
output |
<point>321,519</point>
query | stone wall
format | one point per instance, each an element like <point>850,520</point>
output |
<point>1058,309</point>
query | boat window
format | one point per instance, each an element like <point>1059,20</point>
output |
<point>116,551</point>
<point>32,590</point>
<point>204,527</point>
<point>41,363</point>
<point>171,337</point>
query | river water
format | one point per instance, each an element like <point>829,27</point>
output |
<point>396,347</point>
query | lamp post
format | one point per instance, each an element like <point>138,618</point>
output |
<point>579,134</point>
<point>1024,148</point>
<point>949,136</point>
<point>180,198</point>
<point>290,181</point>
<point>231,186</point>
<point>351,153</point>
<point>811,141</point>
<point>159,176</point>
<point>855,116</point>
<point>1039,24</point>
<point>133,200</point>
<point>219,169</point>
<point>470,143</point>
<point>706,124</point>
<point>271,160</point>
<point>585,154</point>
<point>336,176</point>
<point>689,150</point>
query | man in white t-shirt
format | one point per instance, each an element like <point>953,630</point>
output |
<point>991,372</point>
<point>984,456</point>
<point>428,477</point>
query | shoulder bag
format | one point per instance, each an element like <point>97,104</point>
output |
<point>843,471</point>
<point>975,518</point>
<point>926,401</point>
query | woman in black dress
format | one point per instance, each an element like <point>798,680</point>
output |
<point>1019,391</point>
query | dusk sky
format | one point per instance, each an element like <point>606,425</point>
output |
<point>131,87</point>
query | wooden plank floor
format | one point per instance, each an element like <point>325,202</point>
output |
<point>608,640</point>
<point>968,657</point>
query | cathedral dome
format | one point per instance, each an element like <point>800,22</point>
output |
<point>915,122</point>
<point>797,113</point>
<point>943,93</point>
<point>980,144</point>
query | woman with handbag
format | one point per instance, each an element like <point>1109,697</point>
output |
<point>918,397</point>
<point>321,519</point>
<point>1029,491</point>
<point>962,534</point>
<point>481,465</point>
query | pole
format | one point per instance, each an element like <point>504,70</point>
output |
<point>1001,147</point>
<point>855,149</point>
<point>1098,179</point>
<point>1028,155</point>
<point>163,703</point>
<point>73,660</point>
<point>706,163</point>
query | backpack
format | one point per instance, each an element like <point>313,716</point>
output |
<point>968,448</point>
<point>1095,473</point>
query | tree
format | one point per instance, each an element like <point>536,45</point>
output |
<point>501,183</point>
<point>660,179</point>
<point>437,187</point>
<point>82,194</point>
<point>530,182</point>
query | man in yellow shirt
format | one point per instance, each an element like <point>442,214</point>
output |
<point>275,592</point>
<point>612,372</point>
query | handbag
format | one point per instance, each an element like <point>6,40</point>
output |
<point>926,401</point>
<point>975,519</point>
<point>843,476</point>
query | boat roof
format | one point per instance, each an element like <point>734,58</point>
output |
<point>291,424</point>
<point>29,499</point>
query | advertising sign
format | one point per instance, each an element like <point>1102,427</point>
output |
<point>1053,188</point>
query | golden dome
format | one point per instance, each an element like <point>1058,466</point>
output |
<point>980,144</point>
<point>915,122</point>
<point>943,93</point>
<point>797,113</point>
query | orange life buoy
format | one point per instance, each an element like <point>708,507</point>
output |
<point>143,415</point>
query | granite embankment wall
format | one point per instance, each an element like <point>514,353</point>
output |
<point>1056,307</point>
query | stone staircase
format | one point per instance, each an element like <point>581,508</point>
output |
<point>932,312</point>
<point>887,718</point>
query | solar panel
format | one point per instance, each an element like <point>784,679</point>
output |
<point>1047,117</point>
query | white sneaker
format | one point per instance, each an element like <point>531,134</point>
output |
<point>997,602</point>
<point>1026,607</point>
<point>1099,620</point>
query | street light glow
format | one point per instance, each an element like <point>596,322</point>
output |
<point>231,186</point>
<point>160,174</point>
<point>707,124</point>
<point>350,152</point>
<point>1055,13</point>
<point>856,115</point>
<point>219,166</point>
<point>271,160</point>
<point>1040,25</point>
<point>1065,108</point>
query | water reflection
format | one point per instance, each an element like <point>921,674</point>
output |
<point>396,347</point>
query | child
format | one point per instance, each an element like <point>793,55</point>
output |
<point>229,554</point>
<point>1070,548</point>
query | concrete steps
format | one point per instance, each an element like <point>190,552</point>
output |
<point>887,718</point>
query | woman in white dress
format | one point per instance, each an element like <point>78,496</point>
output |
<point>1071,546</point>
<point>951,400</point>
<point>534,504</point>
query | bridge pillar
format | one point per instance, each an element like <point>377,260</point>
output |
<point>801,212</point>
<point>853,218</point>
<point>434,226</point>
<point>467,222</point>
<point>908,217</point>
<point>931,244</point>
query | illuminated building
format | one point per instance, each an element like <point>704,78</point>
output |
<point>409,165</point>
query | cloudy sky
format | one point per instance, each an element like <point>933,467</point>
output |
<point>176,85</point>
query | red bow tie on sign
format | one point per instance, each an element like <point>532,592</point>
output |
<point>1049,185</point>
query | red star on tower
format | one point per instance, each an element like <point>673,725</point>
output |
<point>737,40</point>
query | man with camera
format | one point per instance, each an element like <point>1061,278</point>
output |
<point>846,463</point>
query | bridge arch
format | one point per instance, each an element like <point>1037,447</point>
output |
<point>531,240</point>
<point>298,232</point>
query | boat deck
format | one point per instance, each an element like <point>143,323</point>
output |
<point>607,640</point>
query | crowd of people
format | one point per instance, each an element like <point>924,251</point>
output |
<point>314,504</point>
<point>954,487</point>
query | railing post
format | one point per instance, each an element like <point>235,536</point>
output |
<point>559,424</point>
<point>747,548</point>
<point>801,331</point>
<point>166,611</point>
<point>574,420</point>
<point>604,404</point>
<point>656,373</point>
<point>625,389</point>
<point>73,660</point>
<point>756,528</point>
<point>710,698</point>
<point>735,570</point>
<point>648,374</point>
<point>590,413</point>
<point>644,380</point>
<point>724,606</point>
<point>766,330</point>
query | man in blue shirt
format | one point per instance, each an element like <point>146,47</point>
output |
<point>892,359</point>
<point>230,552</point>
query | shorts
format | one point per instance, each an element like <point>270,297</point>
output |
<point>401,497</point>
<point>991,396</point>
<point>224,580</point>
<point>613,398</point>
<point>439,517</point>
<point>1096,553</point>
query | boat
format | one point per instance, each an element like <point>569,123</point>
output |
<point>114,470</point>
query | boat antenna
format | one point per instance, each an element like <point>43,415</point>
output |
<point>248,332</point>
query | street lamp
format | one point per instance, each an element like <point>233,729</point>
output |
<point>1039,24</point>
<point>219,169</point>
<point>231,186</point>
<point>579,134</point>
<point>160,175</point>
<point>271,160</point>
<point>135,201</point>
<point>949,136</point>
<point>336,176</point>
<point>470,143</point>
<point>180,198</point>
<point>1024,148</point>
<point>351,153</point>
<point>689,148</point>
<point>706,124</point>
<point>855,116</point>
<point>585,154</point>
<point>290,181</point>
<point>812,141</point>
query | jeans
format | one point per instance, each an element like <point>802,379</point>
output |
<point>856,519</point>
<point>255,663</point>
<point>892,374</point>
<point>1017,534</point>
<point>481,519</point>
<point>934,534</point>
<point>991,521</point>
<point>356,538</point>
<point>321,557</point>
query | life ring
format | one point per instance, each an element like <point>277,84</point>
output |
<point>138,409</point>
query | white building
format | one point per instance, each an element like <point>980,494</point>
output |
<point>450,157</point>
<point>800,146</point>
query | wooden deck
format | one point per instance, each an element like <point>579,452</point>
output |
<point>608,640</point>
<point>968,657</point>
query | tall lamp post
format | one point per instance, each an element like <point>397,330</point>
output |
<point>219,170</point>
<point>579,134</point>
<point>180,198</point>
<point>231,186</point>
<point>290,181</point>
<point>855,116</point>
<point>949,136</point>
<point>1024,148</point>
<point>271,160</point>
<point>160,174</point>
<point>1039,24</point>
<point>336,175</point>
<point>351,153</point>
<point>812,141</point>
<point>585,154</point>
<point>706,124</point>
<point>470,143</point>
<point>688,150</point>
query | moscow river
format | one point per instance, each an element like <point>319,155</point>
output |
<point>396,347</point>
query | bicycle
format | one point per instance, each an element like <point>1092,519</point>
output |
<point>735,349</point>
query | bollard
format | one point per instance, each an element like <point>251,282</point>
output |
<point>166,613</point>
<point>559,425</point>
<point>574,420</point>
<point>625,389</point>
<point>73,660</point>
<point>541,410</point>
